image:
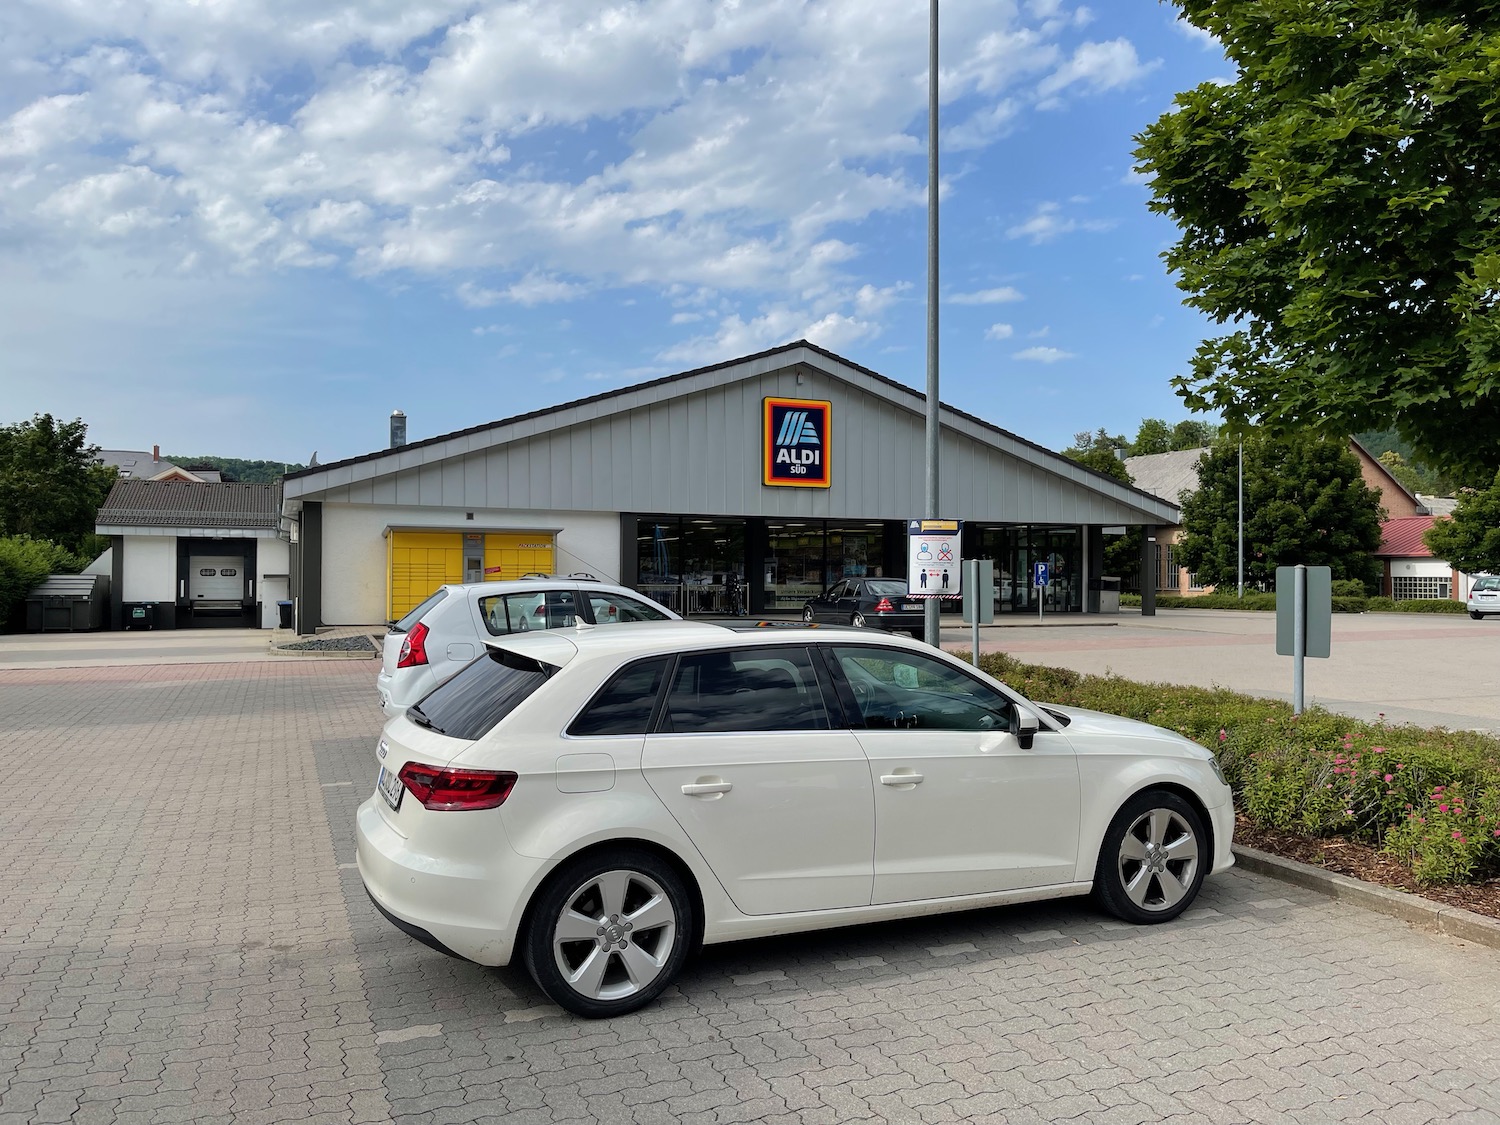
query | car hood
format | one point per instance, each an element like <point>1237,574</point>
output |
<point>1123,731</point>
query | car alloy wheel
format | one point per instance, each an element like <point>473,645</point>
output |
<point>858,620</point>
<point>807,613</point>
<point>609,933</point>
<point>1153,858</point>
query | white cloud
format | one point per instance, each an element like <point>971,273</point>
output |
<point>1000,296</point>
<point>999,332</point>
<point>1048,221</point>
<point>446,138</point>
<point>1043,355</point>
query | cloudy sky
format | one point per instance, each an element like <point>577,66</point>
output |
<point>254,227</point>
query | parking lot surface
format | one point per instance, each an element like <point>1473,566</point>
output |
<point>183,938</point>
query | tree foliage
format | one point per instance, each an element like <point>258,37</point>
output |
<point>51,487</point>
<point>1305,502</point>
<point>1471,539</point>
<point>236,468</point>
<point>1338,205</point>
<point>1101,451</point>
<point>24,564</point>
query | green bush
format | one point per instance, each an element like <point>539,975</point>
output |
<point>1381,605</point>
<point>24,562</point>
<point>1349,588</point>
<point>1345,604</point>
<point>1130,600</point>
<point>1431,605</point>
<point>1430,798</point>
<point>1253,600</point>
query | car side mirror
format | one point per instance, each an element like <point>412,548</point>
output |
<point>1027,725</point>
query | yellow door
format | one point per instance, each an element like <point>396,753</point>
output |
<point>510,554</point>
<point>420,562</point>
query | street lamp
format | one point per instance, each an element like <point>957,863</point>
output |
<point>933,606</point>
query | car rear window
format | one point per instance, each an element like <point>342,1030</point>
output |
<point>406,623</point>
<point>1487,583</point>
<point>485,691</point>
<point>624,705</point>
<point>890,589</point>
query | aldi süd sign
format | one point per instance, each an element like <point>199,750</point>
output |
<point>796,439</point>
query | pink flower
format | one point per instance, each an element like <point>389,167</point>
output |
<point>1339,761</point>
<point>1378,749</point>
<point>1497,832</point>
<point>1442,808</point>
<point>1389,777</point>
<point>1223,736</point>
<point>1459,836</point>
<point>1348,812</point>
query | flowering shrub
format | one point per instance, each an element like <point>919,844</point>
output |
<point>1430,798</point>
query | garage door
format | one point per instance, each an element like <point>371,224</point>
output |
<point>510,554</point>
<point>216,578</point>
<point>420,562</point>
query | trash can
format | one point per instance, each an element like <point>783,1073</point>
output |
<point>68,603</point>
<point>140,615</point>
<point>1109,594</point>
<point>285,611</point>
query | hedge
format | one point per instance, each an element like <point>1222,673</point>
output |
<point>1266,602</point>
<point>1429,798</point>
<point>24,563</point>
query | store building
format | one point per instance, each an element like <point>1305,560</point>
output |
<point>783,471</point>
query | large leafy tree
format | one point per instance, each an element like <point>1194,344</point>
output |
<point>1305,502</point>
<point>50,485</point>
<point>1471,539</point>
<point>1101,452</point>
<point>1338,206</point>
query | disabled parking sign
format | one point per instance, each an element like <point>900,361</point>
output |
<point>1039,575</point>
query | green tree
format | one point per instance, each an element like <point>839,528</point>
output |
<point>1192,434</point>
<point>1338,203</point>
<point>1410,478</point>
<point>1101,451</point>
<point>1471,539</point>
<point>1153,436</point>
<point>1305,502</point>
<point>51,487</point>
<point>236,468</point>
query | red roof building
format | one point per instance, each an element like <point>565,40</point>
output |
<point>1402,538</point>
<point>1409,570</point>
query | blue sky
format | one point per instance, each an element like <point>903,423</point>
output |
<point>254,229</point>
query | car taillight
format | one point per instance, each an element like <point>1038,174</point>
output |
<point>413,647</point>
<point>450,790</point>
<point>883,606</point>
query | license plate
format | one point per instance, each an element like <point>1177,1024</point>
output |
<point>389,786</point>
<point>911,605</point>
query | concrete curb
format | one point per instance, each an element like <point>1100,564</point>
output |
<point>1451,920</point>
<point>322,654</point>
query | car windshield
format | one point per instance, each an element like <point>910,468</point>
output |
<point>1488,582</point>
<point>890,588</point>
<point>485,691</point>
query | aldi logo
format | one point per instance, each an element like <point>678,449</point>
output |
<point>796,443</point>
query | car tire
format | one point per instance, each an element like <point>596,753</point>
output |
<point>581,945</point>
<point>1153,859</point>
<point>1476,616</point>
<point>858,621</point>
<point>807,614</point>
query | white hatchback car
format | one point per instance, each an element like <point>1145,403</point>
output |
<point>449,629</point>
<point>600,802</point>
<point>1484,596</point>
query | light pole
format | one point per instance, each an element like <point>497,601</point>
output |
<point>1242,518</point>
<point>933,606</point>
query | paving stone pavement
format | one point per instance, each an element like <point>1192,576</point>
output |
<point>183,938</point>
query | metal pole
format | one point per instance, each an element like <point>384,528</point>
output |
<point>1242,518</point>
<point>934,606</point>
<point>971,583</point>
<point>1299,634</point>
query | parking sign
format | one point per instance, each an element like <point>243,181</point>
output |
<point>1039,574</point>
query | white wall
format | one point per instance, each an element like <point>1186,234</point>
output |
<point>150,571</point>
<point>1420,568</point>
<point>271,557</point>
<point>354,548</point>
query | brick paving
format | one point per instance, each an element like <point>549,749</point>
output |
<point>182,938</point>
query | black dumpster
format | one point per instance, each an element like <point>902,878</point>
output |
<point>285,611</point>
<point>1104,594</point>
<point>68,603</point>
<point>140,615</point>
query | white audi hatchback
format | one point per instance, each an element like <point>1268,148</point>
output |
<point>599,802</point>
<point>448,630</point>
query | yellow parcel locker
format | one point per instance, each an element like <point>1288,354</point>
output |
<point>510,554</point>
<point>420,562</point>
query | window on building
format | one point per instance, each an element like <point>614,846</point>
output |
<point>1421,588</point>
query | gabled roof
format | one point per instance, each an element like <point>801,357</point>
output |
<point>138,464</point>
<point>1167,475</point>
<point>314,478</point>
<point>175,503</point>
<point>1402,538</point>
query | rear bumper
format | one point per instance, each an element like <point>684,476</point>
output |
<point>896,621</point>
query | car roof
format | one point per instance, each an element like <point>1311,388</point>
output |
<point>645,638</point>
<point>532,585</point>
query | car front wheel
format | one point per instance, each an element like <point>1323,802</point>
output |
<point>807,613</point>
<point>609,932</point>
<point>858,620</point>
<point>1153,859</point>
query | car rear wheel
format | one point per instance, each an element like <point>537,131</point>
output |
<point>1476,615</point>
<point>1153,859</point>
<point>807,613</point>
<point>609,932</point>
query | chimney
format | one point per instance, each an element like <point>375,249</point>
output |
<point>398,429</point>
<point>155,454</point>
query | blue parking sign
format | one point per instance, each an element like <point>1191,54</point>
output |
<point>1039,574</point>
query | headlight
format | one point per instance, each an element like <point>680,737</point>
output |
<point>1218,771</point>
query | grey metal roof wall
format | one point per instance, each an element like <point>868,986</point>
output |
<point>167,503</point>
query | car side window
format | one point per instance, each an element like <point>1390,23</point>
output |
<point>623,705</point>
<point>748,689</point>
<point>894,688</point>
<point>611,609</point>
<point>519,613</point>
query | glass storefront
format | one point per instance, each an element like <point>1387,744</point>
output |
<point>699,565</point>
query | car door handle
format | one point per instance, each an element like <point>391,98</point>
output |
<point>707,788</point>
<point>901,779</point>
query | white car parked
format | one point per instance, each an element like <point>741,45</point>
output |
<point>449,629</point>
<point>600,802</point>
<point>1484,596</point>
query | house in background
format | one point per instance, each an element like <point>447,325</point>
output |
<point>1172,476</point>
<point>141,465</point>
